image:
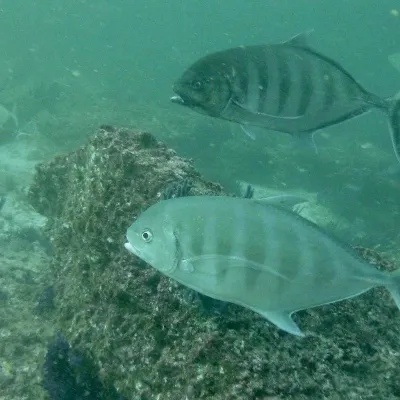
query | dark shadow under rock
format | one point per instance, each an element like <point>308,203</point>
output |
<point>148,338</point>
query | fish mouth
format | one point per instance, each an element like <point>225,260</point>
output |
<point>185,102</point>
<point>177,100</point>
<point>132,249</point>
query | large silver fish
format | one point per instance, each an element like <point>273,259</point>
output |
<point>252,253</point>
<point>286,87</point>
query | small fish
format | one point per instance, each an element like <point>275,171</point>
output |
<point>286,87</point>
<point>254,253</point>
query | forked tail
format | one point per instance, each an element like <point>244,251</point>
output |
<point>394,287</point>
<point>394,122</point>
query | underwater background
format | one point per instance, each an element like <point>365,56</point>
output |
<point>75,78</point>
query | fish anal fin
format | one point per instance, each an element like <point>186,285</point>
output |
<point>282,320</point>
<point>300,40</point>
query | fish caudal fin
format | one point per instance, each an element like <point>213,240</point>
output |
<point>394,122</point>
<point>394,288</point>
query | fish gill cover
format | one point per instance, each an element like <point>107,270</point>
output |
<point>147,337</point>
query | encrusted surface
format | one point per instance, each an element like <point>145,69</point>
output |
<point>145,332</point>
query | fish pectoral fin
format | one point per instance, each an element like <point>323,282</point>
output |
<point>252,130</point>
<point>282,320</point>
<point>248,132</point>
<point>286,201</point>
<point>300,40</point>
<point>235,111</point>
<point>201,264</point>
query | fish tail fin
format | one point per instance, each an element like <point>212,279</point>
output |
<point>394,287</point>
<point>393,107</point>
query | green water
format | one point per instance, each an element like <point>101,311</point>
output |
<point>109,60</point>
<point>68,67</point>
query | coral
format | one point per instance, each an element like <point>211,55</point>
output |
<point>144,333</point>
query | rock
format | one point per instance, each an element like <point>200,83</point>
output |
<point>310,209</point>
<point>147,337</point>
<point>17,162</point>
<point>21,227</point>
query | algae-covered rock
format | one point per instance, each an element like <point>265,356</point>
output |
<point>147,334</point>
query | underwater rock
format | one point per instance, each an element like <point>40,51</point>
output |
<point>20,226</point>
<point>58,377</point>
<point>45,303</point>
<point>153,342</point>
<point>70,375</point>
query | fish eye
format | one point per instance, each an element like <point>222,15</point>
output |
<point>197,85</point>
<point>147,235</point>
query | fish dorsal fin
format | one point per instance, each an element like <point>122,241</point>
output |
<point>300,40</point>
<point>286,201</point>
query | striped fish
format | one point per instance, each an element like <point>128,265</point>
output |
<point>252,253</point>
<point>286,87</point>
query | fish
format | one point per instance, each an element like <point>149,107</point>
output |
<point>254,253</point>
<point>5,115</point>
<point>286,87</point>
<point>394,59</point>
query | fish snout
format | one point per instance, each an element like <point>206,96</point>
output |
<point>179,91</point>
